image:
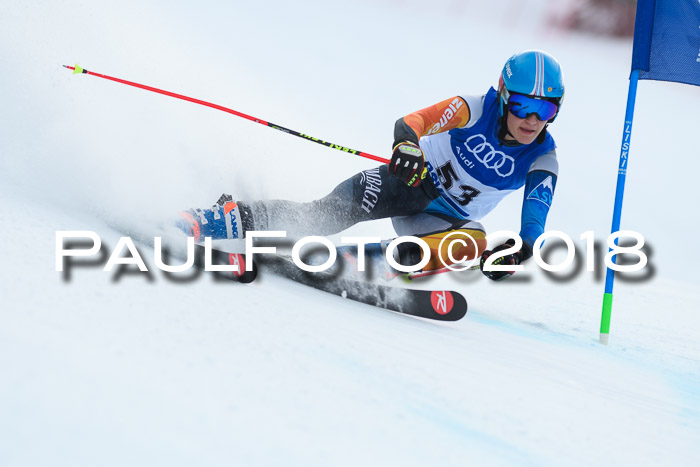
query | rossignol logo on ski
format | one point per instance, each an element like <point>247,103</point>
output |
<point>238,261</point>
<point>442,301</point>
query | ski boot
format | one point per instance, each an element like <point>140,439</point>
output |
<point>221,221</point>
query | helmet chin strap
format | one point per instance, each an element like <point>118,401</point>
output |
<point>503,131</point>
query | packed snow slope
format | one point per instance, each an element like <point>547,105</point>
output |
<point>120,368</point>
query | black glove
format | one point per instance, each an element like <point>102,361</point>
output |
<point>407,163</point>
<point>507,260</point>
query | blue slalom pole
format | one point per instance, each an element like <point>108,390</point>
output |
<point>617,211</point>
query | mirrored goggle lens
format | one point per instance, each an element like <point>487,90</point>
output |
<point>521,106</point>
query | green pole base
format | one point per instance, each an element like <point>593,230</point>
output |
<point>607,311</point>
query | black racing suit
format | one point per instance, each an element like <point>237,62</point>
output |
<point>368,195</point>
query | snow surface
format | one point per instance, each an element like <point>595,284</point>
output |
<point>133,369</point>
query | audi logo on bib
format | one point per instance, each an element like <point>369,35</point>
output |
<point>501,163</point>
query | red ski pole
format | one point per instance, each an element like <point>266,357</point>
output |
<point>77,69</point>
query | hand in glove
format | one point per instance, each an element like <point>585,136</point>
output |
<point>407,163</point>
<point>512,259</point>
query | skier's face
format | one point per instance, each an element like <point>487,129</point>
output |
<point>524,130</point>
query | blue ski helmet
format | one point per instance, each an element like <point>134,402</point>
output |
<point>533,73</point>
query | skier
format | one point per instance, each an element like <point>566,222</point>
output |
<point>452,163</point>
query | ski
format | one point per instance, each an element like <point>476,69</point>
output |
<point>442,305</point>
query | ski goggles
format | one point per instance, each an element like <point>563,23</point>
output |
<point>521,106</point>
